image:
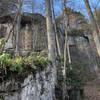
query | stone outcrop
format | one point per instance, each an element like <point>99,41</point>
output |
<point>32,31</point>
<point>40,87</point>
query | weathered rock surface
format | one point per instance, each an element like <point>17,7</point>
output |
<point>40,87</point>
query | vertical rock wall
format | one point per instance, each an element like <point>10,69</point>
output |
<point>39,88</point>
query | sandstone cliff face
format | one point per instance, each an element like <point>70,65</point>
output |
<point>40,87</point>
<point>33,35</point>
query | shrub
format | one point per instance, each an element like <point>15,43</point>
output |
<point>2,42</point>
<point>37,60</point>
<point>19,64</point>
<point>75,75</point>
<point>5,59</point>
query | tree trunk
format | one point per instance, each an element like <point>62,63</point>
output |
<point>51,41</point>
<point>67,58</point>
<point>50,33</point>
<point>55,28</point>
<point>18,28</point>
<point>96,32</point>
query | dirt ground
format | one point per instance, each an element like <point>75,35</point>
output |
<point>92,90</point>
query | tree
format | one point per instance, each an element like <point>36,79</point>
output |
<point>97,16</point>
<point>66,50</point>
<point>51,40</point>
<point>7,6</point>
<point>19,6</point>
<point>96,35</point>
<point>50,32</point>
<point>55,28</point>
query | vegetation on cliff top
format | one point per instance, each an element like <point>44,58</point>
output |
<point>38,62</point>
<point>19,65</point>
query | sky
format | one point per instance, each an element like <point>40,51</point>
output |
<point>77,5</point>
